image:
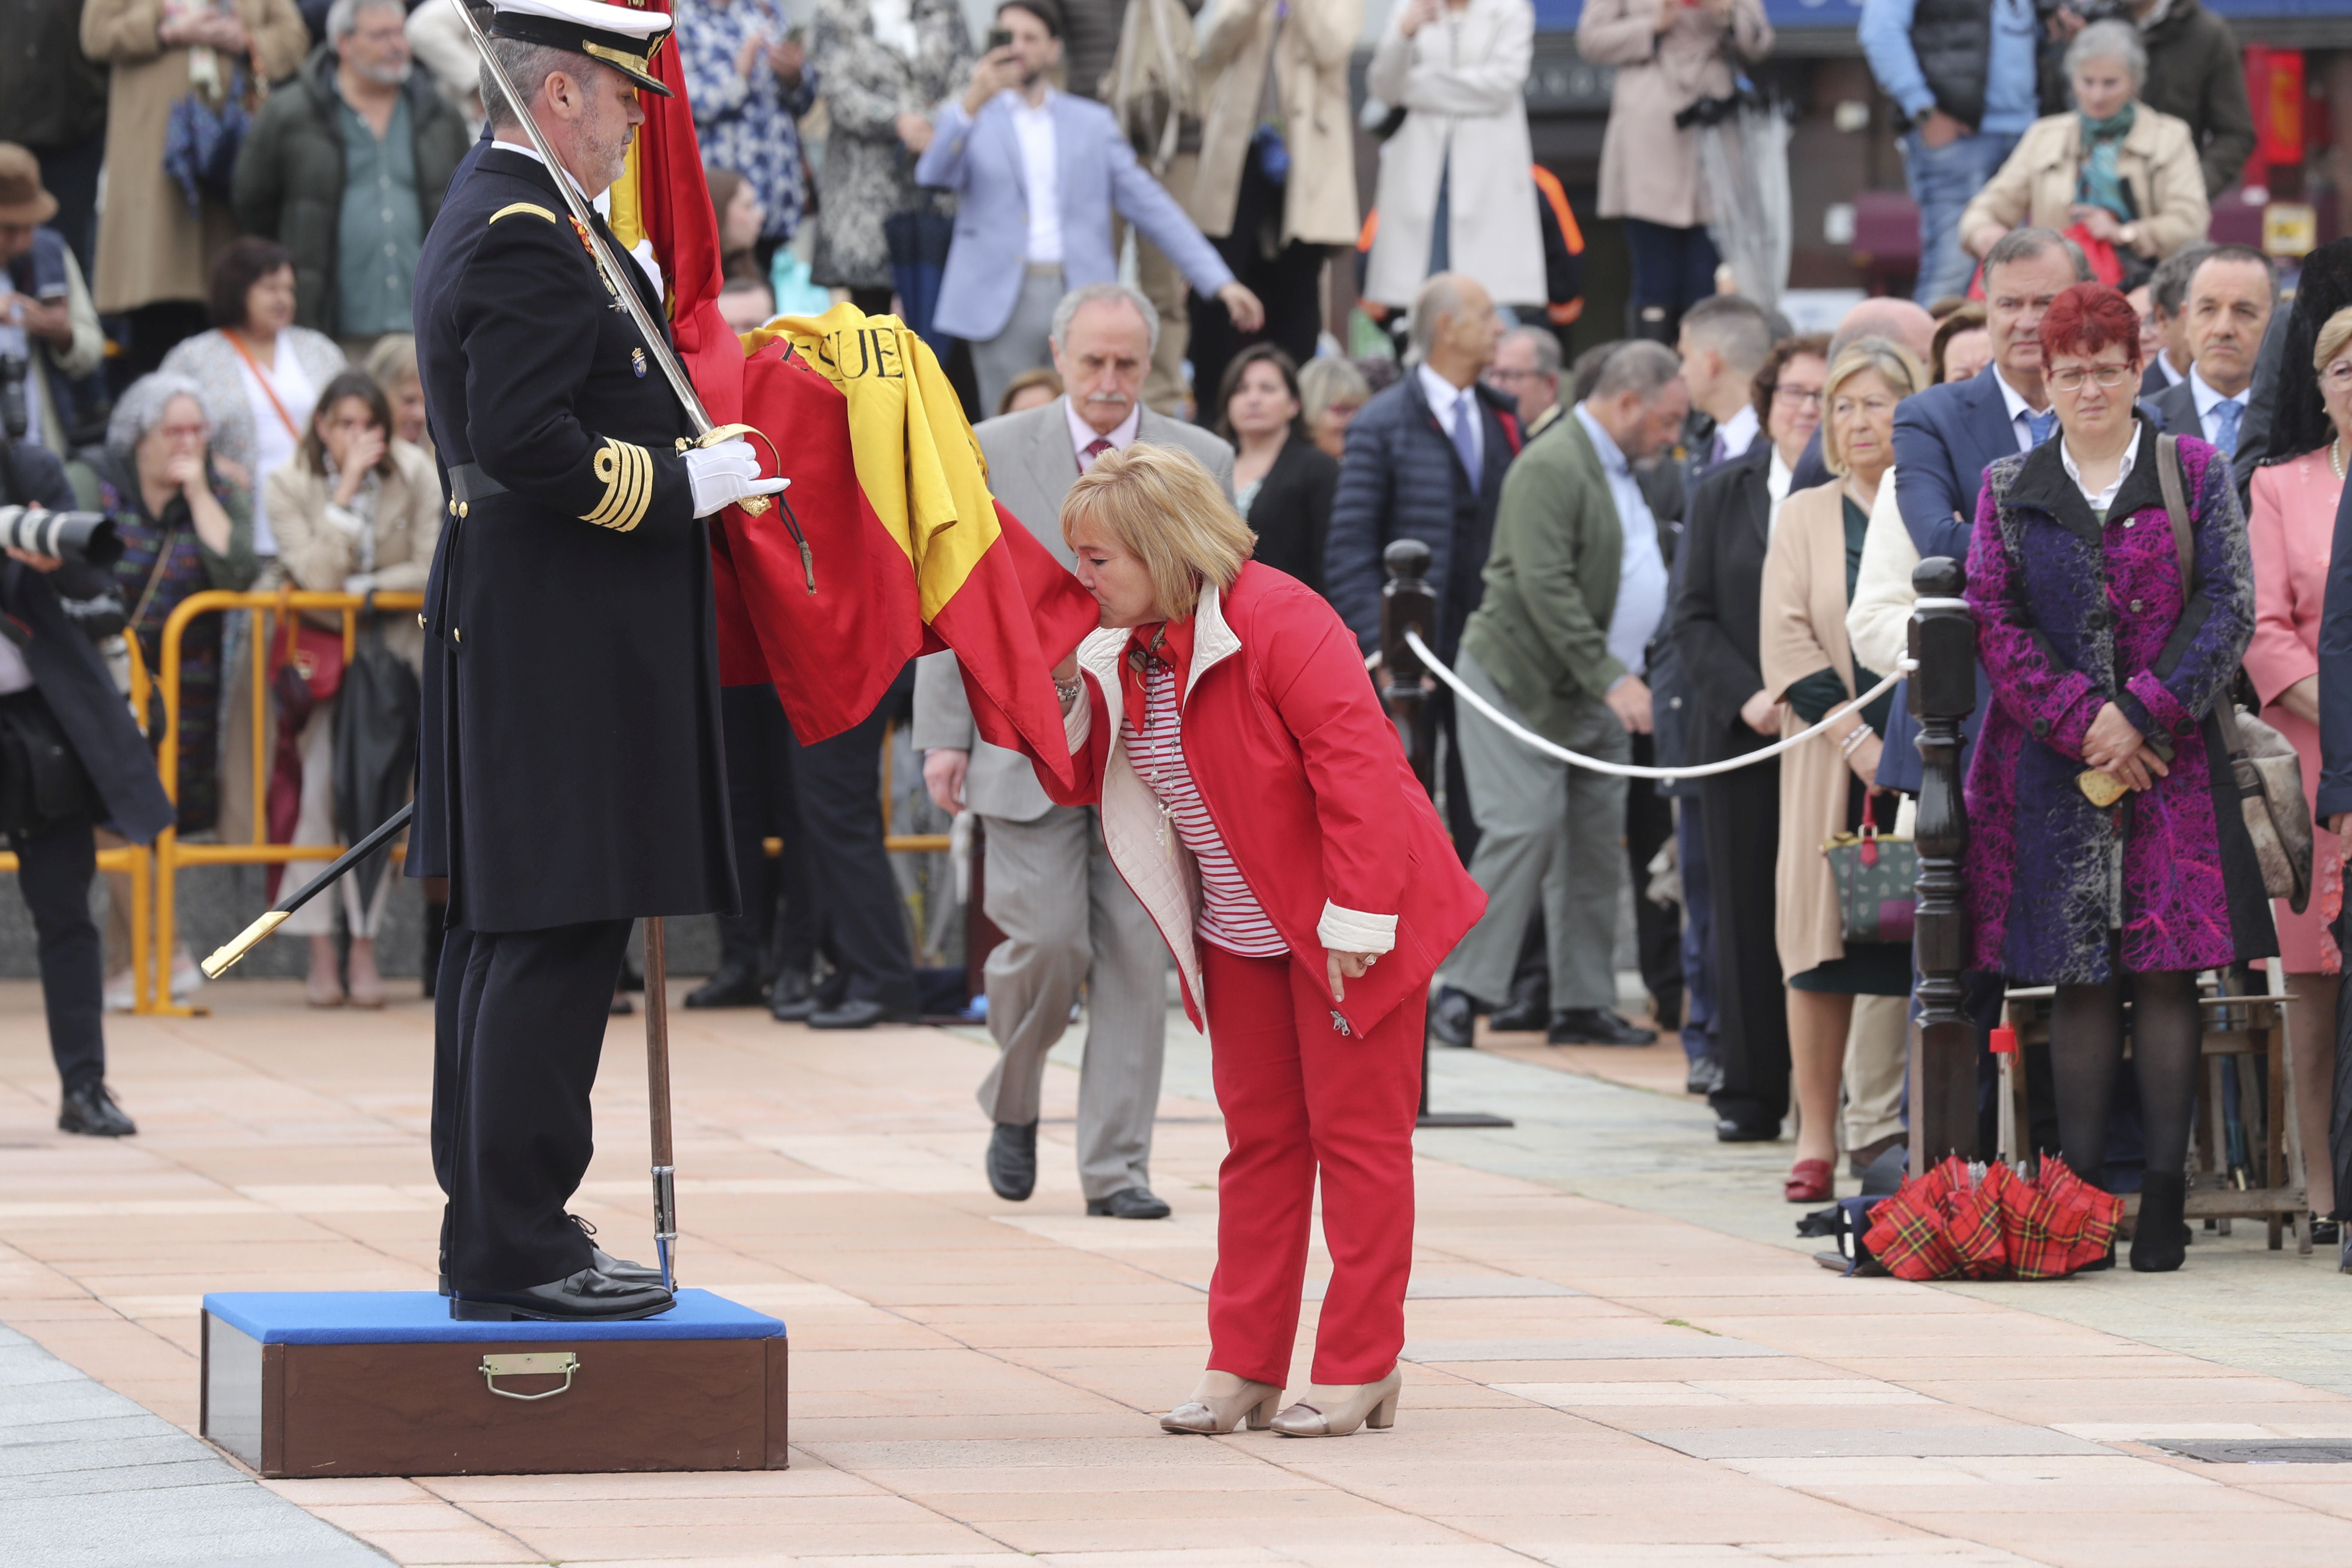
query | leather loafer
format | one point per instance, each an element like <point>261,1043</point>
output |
<point>1706,1076</point>
<point>1521,1016</point>
<point>734,986</point>
<point>1596,1026</point>
<point>1013,1161</point>
<point>1128,1202</point>
<point>793,997</point>
<point>1732,1129</point>
<point>92,1112</point>
<point>585,1297</point>
<point>858,1013</point>
<point>1452,1018</point>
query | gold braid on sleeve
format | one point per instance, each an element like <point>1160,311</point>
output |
<point>627,475</point>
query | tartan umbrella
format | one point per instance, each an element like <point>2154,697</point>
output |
<point>1986,1222</point>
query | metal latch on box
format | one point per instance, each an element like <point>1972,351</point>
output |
<point>535,1363</point>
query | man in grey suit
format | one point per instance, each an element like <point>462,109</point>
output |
<point>1068,917</point>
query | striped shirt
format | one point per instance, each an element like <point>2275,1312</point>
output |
<point>1231,917</point>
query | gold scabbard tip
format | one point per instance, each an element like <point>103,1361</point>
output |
<point>224,957</point>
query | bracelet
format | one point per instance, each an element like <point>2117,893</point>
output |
<point>1068,692</point>
<point>1854,738</point>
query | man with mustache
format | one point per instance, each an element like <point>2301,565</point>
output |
<point>570,777</point>
<point>1068,919</point>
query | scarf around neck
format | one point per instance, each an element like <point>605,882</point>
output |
<point>2102,140</point>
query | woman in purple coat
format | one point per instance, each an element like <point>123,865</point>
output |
<point>2103,659</point>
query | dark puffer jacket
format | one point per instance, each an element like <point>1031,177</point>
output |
<point>289,174</point>
<point>1401,478</point>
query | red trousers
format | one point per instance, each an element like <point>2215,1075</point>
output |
<point>1300,1098</point>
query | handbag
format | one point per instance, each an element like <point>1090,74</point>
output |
<point>2263,763</point>
<point>1877,873</point>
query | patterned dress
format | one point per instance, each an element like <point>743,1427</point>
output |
<point>2073,613</point>
<point>749,125</point>
<point>868,175</point>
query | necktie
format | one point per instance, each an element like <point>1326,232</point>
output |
<point>2040,425</point>
<point>1715,450</point>
<point>2226,415</point>
<point>1095,448</point>
<point>1465,409</point>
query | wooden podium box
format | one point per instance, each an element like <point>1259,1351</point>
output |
<point>387,1383</point>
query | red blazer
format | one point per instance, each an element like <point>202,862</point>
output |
<point>1302,772</point>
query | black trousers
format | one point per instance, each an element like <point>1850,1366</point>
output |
<point>1657,927</point>
<point>55,868</point>
<point>860,922</point>
<point>69,172</point>
<point>1740,813</point>
<point>763,802</point>
<point>519,1027</point>
<point>1286,279</point>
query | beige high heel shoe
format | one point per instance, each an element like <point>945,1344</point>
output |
<point>1222,1402</point>
<point>1336,1410</point>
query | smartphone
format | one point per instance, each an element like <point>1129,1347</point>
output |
<point>999,39</point>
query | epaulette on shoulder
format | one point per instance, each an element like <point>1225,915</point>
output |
<point>513,207</point>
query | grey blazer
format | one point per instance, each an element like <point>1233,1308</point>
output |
<point>1032,465</point>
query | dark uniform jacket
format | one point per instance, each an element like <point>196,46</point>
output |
<point>569,763</point>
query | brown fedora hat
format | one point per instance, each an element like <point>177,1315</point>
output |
<point>22,200</point>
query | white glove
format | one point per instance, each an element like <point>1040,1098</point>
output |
<point>726,474</point>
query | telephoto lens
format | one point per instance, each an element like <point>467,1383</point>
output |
<point>69,535</point>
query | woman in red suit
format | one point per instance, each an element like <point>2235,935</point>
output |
<point>1254,797</point>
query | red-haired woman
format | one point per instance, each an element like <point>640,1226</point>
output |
<point>2102,657</point>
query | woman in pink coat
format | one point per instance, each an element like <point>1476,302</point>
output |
<point>2293,527</point>
<point>1254,795</point>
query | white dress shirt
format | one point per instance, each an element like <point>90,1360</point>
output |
<point>2209,404</point>
<point>1642,568</point>
<point>2018,410</point>
<point>2100,499</point>
<point>1451,404</point>
<point>1041,170</point>
<point>2164,364</point>
<point>1777,480</point>
<point>1083,435</point>
<point>1737,434</point>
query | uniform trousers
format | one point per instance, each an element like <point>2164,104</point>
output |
<point>1301,1100</point>
<point>1742,814</point>
<point>54,870</point>
<point>763,802</point>
<point>519,1027</point>
<point>1068,920</point>
<point>1021,344</point>
<point>1536,814</point>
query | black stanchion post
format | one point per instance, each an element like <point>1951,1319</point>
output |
<point>1407,602</point>
<point>1944,1046</point>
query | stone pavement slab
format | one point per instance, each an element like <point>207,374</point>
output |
<point>1620,1354</point>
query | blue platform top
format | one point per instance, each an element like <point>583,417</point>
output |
<point>412,1317</point>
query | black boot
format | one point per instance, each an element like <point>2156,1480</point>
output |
<point>2158,1238</point>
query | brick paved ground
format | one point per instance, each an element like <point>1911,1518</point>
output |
<point>1619,1357</point>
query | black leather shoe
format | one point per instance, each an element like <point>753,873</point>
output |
<point>1596,1026</point>
<point>92,1112</point>
<point>793,997</point>
<point>858,1013</point>
<point>1013,1161</point>
<point>1128,1202</point>
<point>734,986</point>
<point>1706,1076</point>
<point>1526,1013</point>
<point>1452,1018</point>
<point>604,1263</point>
<point>585,1297</point>
<point>1732,1129</point>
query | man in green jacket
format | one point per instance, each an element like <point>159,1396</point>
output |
<point>344,167</point>
<point>1575,587</point>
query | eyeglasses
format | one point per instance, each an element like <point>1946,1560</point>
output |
<point>2108,376</point>
<point>1794,396</point>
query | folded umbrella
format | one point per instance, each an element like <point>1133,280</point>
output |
<point>375,746</point>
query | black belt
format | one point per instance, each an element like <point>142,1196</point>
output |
<point>468,483</point>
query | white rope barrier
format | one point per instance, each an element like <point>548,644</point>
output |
<point>1521,733</point>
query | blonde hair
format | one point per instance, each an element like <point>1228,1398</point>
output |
<point>2333,333</point>
<point>1160,505</point>
<point>1897,365</point>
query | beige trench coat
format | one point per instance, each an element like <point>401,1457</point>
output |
<point>1459,80</point>
<point>1310,76</point>
<point>319,555</point>
<point>1801,629</point>
<point>1649,169</point>
<point>2157,162</point>
<point>149,247</point>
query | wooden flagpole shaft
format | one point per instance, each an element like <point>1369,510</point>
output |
<point>664,1170</point>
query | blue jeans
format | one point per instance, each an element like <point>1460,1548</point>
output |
<point>1943,180</point>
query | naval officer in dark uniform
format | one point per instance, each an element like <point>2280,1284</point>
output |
<point>570,776</point>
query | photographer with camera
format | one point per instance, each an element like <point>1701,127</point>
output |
<point>71,757</point>
<point>47,321</point>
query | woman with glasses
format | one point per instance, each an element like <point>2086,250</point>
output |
<point>2108,666</point>
<point>1721,570</point>
<point>2292,531</point>
<point>1826,786</point>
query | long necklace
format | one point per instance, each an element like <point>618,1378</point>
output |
<point>2336,457</point>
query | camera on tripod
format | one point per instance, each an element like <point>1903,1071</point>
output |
<point>69,535</point>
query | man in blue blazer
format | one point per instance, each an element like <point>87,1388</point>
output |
<point>1037,174</point>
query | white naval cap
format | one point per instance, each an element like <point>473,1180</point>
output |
<point>623,37</point>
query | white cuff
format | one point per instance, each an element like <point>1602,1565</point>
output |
<point>346,520</point>
<point>1353,930</point>
<point>1078,723</point>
